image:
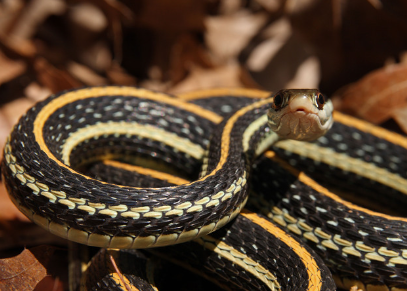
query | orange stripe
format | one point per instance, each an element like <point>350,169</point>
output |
<point>314,274</point>
<point>308,181</point>
<point>236,92</point>
<point>147,172</point>
<point>371,128</point>
<point>81,94</point>
<point>225,142</point>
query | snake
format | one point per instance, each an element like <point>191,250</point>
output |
<point>67,206</point>
<point>353,241</point>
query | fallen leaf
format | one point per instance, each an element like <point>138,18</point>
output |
<point>117,75</point>
<point>50,284</point>
<point>55,79</point>
<point>226,36</point>
<point>25,270</point>
<point>5,128</point>
<point>36,92</point>
<point>85,74</point>
<point>275,36</point>
<point>377,95</point>
<point>185,53</point>
<point>271,5</point>
<point>10,68</point>
<point>10,11</point>
<point>172,15</point>
<point>229,75</point>
<point>307,75</point>
<point>400,116</point>
<point>13,110</point>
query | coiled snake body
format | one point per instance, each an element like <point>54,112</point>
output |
<point>57,138</point>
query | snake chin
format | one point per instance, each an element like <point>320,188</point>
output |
<point>300,125</point>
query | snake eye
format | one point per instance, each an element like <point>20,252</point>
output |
<point>321,101</point>
<point>277,102</point>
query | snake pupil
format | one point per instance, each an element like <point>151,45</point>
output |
<point>321,101</point>
<point>278,101</point>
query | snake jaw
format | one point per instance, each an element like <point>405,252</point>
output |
<point>300,118</point>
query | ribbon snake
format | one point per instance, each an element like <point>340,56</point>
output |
<point>127,168</point>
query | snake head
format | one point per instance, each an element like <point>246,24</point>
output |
<point>300,114</point>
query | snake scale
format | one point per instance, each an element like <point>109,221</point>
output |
<point>360,246</point>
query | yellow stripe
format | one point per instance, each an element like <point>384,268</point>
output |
<point>236,92</point>
<point>308,181</point>
<point>81,94</point>
<point>69,97</point>
<point>225,142</point>
<point>314,274</point>
<point>148,172</point>
<point>346,163</point>
<point>370,128</point>
<point>238,258</point>
<point>142,130</point>
<point>253,127</point>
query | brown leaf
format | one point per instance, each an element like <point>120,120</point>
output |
<point>53,78</point>
<point>226,36</point>
<point>24,271</point>
<point>34,14</point>
<point>12,111</point>
<point>172,15</point>
<point>186,52</point>
<point>5,128</point>
<point>230,75</point>
<point>377,95</point>
<point>400,116</point>
<point>85,74</point>
<point>271,5</point>
<point>10,68</point>
<point>118,75</point>
<point>50,283</point>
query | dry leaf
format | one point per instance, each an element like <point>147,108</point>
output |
<point>377,95</point>
<point>12,111</point>
<point>229,75</point>
<point>275,36</point>
<point>85,74</point>
<point>9,12</point>
<point>307,75</point>
<point>118,75</point>
<point>55,79</point>
<point>172,15</point>
<point>272,5</point>
<point>36,92</point>
<point>50,284</point>
<point>186,53</point>
<point>226,36</point>
<point>34,14</point>
<point>400,116</point>
<point>89,17</point>
<point>24,271</point>
<point>5,128</point>
<point>10,69</point>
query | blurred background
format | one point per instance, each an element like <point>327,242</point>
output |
<point>353,50</point>
<point>178,45</point>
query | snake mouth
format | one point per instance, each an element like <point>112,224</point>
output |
<point>300,120</point>
<point>299,125</point>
